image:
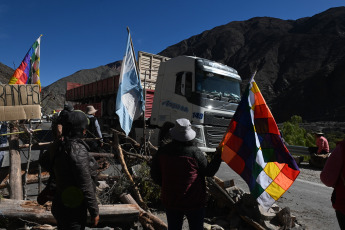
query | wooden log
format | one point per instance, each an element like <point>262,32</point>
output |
<point>111,155</point>
<point>31,211</point>
<point>125,169</point>
<point>41,145</point>
<point>147,219</point>
<point>31,178</point>
<point>34,178</point>
<point>252,223</point>
<point>16,189</point>
<point>219,192</point>
<point>153,149</point>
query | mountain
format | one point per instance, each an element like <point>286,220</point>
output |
<point>300,63</point>
<point>5,73</point>
<point>53,96</point>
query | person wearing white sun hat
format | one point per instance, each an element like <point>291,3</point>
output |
<point>93,130</point>
<point>180,168</point>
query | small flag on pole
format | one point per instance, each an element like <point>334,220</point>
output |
<point>254,149</point>
<point>29,70</point>
<point>130,103</point>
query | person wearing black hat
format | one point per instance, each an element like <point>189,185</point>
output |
<point>75,172</point>
<point>180,168</point>
<point>58,119</point>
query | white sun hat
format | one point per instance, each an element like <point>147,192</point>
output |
<point>182,131</point>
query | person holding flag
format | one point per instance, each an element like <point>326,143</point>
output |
<point>254,149</point>
<point>130,102</point>
<point>180,168</point>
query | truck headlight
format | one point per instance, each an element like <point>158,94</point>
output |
<point>199,137</point>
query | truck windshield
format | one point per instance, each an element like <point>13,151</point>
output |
<point>217,86</point>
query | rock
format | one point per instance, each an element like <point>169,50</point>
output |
<point>212,227</point>
<point>267,215</point>
<point>270,226</point>
<point>318,161</point>
<point>284,217</point>
<point>249,207</point>
<point>44,227</point>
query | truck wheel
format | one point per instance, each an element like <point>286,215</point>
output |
<point>111,106</point>
<point>164,135</point>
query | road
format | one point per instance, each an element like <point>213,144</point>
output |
<point>308,201</point>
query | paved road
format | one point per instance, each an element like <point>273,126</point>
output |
<point>308,201</point>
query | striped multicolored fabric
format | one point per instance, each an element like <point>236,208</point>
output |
<point>29,70</point>
<point>253,148</point>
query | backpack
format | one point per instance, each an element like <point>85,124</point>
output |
<point>92,131</point>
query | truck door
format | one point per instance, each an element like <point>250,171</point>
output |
<point>183,88</point>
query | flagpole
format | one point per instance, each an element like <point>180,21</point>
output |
<point>252,78</point>
<point>137,68</point>
<point>135,59</point>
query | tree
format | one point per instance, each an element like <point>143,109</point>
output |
<point>294,134</point>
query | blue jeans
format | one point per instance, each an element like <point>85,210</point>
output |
<point>2,153</point>
<point>195,219</point>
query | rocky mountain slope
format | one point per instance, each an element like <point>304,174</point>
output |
<point>301,63</point>
<point>5,73</point>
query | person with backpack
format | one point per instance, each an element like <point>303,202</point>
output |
<point>93,130</point>
<point>333,175</point>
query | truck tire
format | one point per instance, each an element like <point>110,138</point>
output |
<point>111,106</point>
<point>164,135</point>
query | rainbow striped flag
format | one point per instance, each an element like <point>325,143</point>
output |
<point>29,70</point>
<point>254,149</point>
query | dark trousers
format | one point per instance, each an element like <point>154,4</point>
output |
<point>313,150</point>
<point>69,218</point>
<point>341,219</point>
<point>195,219</point>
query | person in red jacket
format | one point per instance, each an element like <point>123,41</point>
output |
<point>180,169</point>
<point>333,175</point>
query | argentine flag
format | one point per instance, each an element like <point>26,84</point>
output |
<point>130,103</point>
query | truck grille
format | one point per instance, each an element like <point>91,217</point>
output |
<point>217,119</point>
<point>214,135</point>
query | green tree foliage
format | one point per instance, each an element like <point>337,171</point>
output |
<point>296,135</point>
<point>293,134</point>
<point>333,138</point>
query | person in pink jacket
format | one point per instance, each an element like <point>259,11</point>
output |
<point>322,146</point>
<point>333,175</point>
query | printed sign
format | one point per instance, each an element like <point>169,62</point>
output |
<point>198,115</point>
<point>175,106</point>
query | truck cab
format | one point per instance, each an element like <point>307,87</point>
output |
<point>203,91</point>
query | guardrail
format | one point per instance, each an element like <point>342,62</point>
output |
<point>298,150</point>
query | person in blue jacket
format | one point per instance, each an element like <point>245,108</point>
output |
<point>3,140</point>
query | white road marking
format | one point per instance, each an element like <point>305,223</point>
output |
<point>313,183</point>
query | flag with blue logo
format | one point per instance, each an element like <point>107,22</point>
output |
<point>130,102</point>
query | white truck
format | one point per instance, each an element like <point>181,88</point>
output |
<point>203,91</point>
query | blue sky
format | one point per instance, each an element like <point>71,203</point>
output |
<point>84,34</point>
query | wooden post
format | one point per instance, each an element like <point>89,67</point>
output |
<point>16,189</point>
<point>147,219</point>
<point>28,162</point>
<point>125,170</point>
